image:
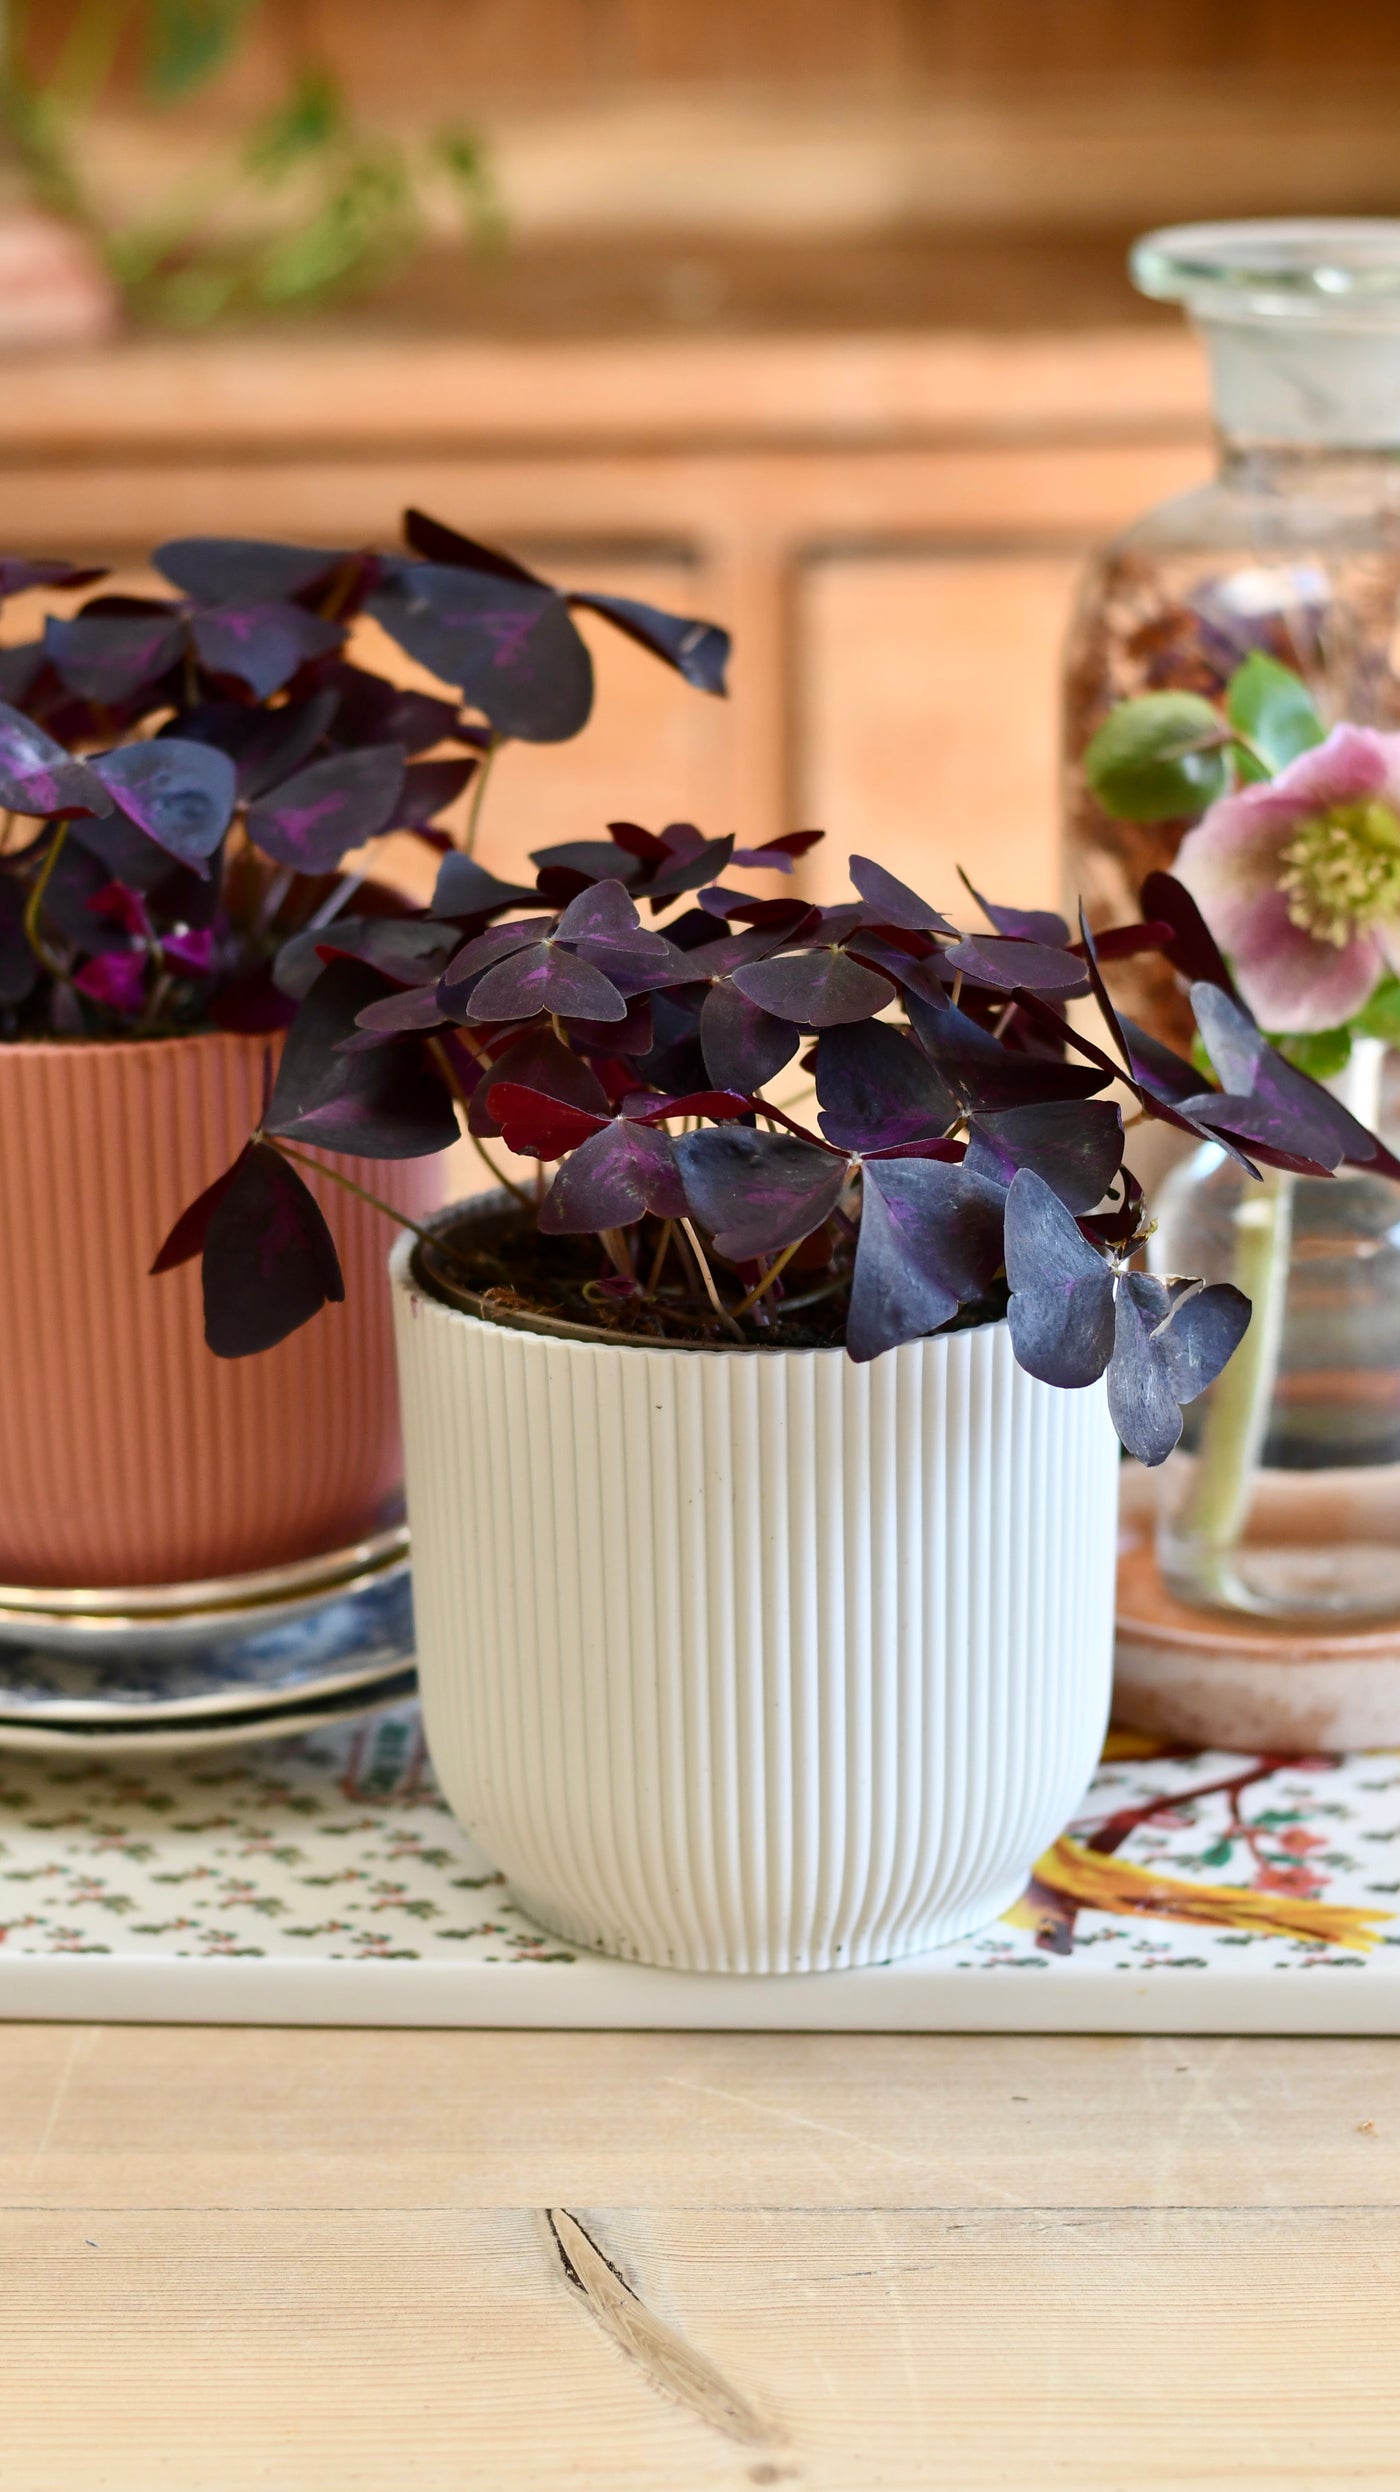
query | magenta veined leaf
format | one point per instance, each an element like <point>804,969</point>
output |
<point>617,1174</point>
<point>311,820</point>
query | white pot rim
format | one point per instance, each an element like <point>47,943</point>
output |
<point>405,1280</point>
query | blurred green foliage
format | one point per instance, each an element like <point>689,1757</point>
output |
<point>311,203</point>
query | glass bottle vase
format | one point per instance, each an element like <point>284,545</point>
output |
<point>1283,1499</point>
<point>1292,548</point>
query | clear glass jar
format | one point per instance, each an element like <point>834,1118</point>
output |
<point>1283,1498</point>
<point>1293,548</point>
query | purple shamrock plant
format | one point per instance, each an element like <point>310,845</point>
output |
<point>946,1154</point>
<point>182,776</point>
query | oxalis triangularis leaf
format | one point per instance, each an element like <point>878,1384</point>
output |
<point>628,1015</point>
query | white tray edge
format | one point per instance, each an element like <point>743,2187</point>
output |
<point>602,1995</point>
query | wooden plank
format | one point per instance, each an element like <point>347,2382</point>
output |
<point>158,400</point>
<point>133,2116</point>
<point>735,2346</point>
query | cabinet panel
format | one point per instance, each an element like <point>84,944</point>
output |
<point>928,709</point>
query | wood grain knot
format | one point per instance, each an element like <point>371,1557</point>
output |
<point>670,2364</point>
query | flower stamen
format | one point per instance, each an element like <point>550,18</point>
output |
<point>1342,871</point>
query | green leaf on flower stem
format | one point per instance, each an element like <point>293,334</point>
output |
<point>1219,1854</point>
<point>1273,707</point>
<point>1318,1052</point>
<point>1381,1018</point>
<point>1158,758</point>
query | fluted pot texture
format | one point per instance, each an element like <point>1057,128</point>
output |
<point>755,1662</point>
<point>129,1454</point>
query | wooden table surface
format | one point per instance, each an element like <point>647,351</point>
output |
<point>301,2259</point>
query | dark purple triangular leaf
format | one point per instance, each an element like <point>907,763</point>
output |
<point>603,925</point>
<point>1141,1403</point>
<point>597,860</point>
<point>757,1192</point>
<point>387,1103</point>
<point>1304,1118</point>
<point>542,979</point>
<point>261,645</point>
<point>231,570</point>
<point>690,866</point>
<point>179,793</point>
<point>698,651</point>
<point>367,710</point>
<point>896,903</point>
<point>428,788</point>
<point>409,1009</point>
<point>1170,1342</point>
<point>1028,925</point>
<point>744,1046</point>
<point>930,1236</point>
<point>1205,1330</point>
<point>1193,949</point>
<point>269,1259</point>
<point>20,665</point>
<point>876,1089</point>
<point>21,571</point>
<point>108,657</point>
<point>778,856</point>
<point>612,1179</point>
<point>465,889</point>
<point>1001,962</point>
<point>311,820</point>
<point>538,1126</point>
<point>439,543</point>
<point>983,1075</point>
<point>37,776</point>
<point>265,746</point>
<point>921,975</point>
<point>467,967</point>
<point>509,645</point>
<point>817,990</point>
<point>186,1239</point>
<point>538,1061</point>
<point>1076,1145</point>
<point>1061,1310</point>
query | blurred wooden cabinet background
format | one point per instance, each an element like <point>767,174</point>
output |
<point>891,527</point>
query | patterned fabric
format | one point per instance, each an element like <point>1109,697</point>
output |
<point>339,1846</point>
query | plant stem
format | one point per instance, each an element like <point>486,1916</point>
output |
<point>1237,1416</point>
<point>474,809</point>
<point>499,1173</point>
<point>760,1287</point>
<point>34,904</point>
<point>663,1245</point>
<point>323,1168</point>
<point>708,1278</point>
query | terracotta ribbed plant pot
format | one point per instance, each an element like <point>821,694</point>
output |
<point>129,1454</point>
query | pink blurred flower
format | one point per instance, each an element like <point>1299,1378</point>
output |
<point>1298,1839</point>
<point>1298,878</point>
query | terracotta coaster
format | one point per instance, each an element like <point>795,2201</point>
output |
<point>1222,1682</point>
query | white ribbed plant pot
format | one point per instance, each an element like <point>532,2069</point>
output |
<point>755,1661</point>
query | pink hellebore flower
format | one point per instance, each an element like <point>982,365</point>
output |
<point>1298,878</point>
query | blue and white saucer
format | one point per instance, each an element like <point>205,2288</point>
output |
<point>159,1668</point>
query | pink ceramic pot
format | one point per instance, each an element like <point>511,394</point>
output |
<point>128,1453</point>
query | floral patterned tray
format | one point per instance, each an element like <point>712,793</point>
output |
<point>324,1882</point>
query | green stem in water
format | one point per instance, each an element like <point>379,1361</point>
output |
<point>1236,1419</point>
